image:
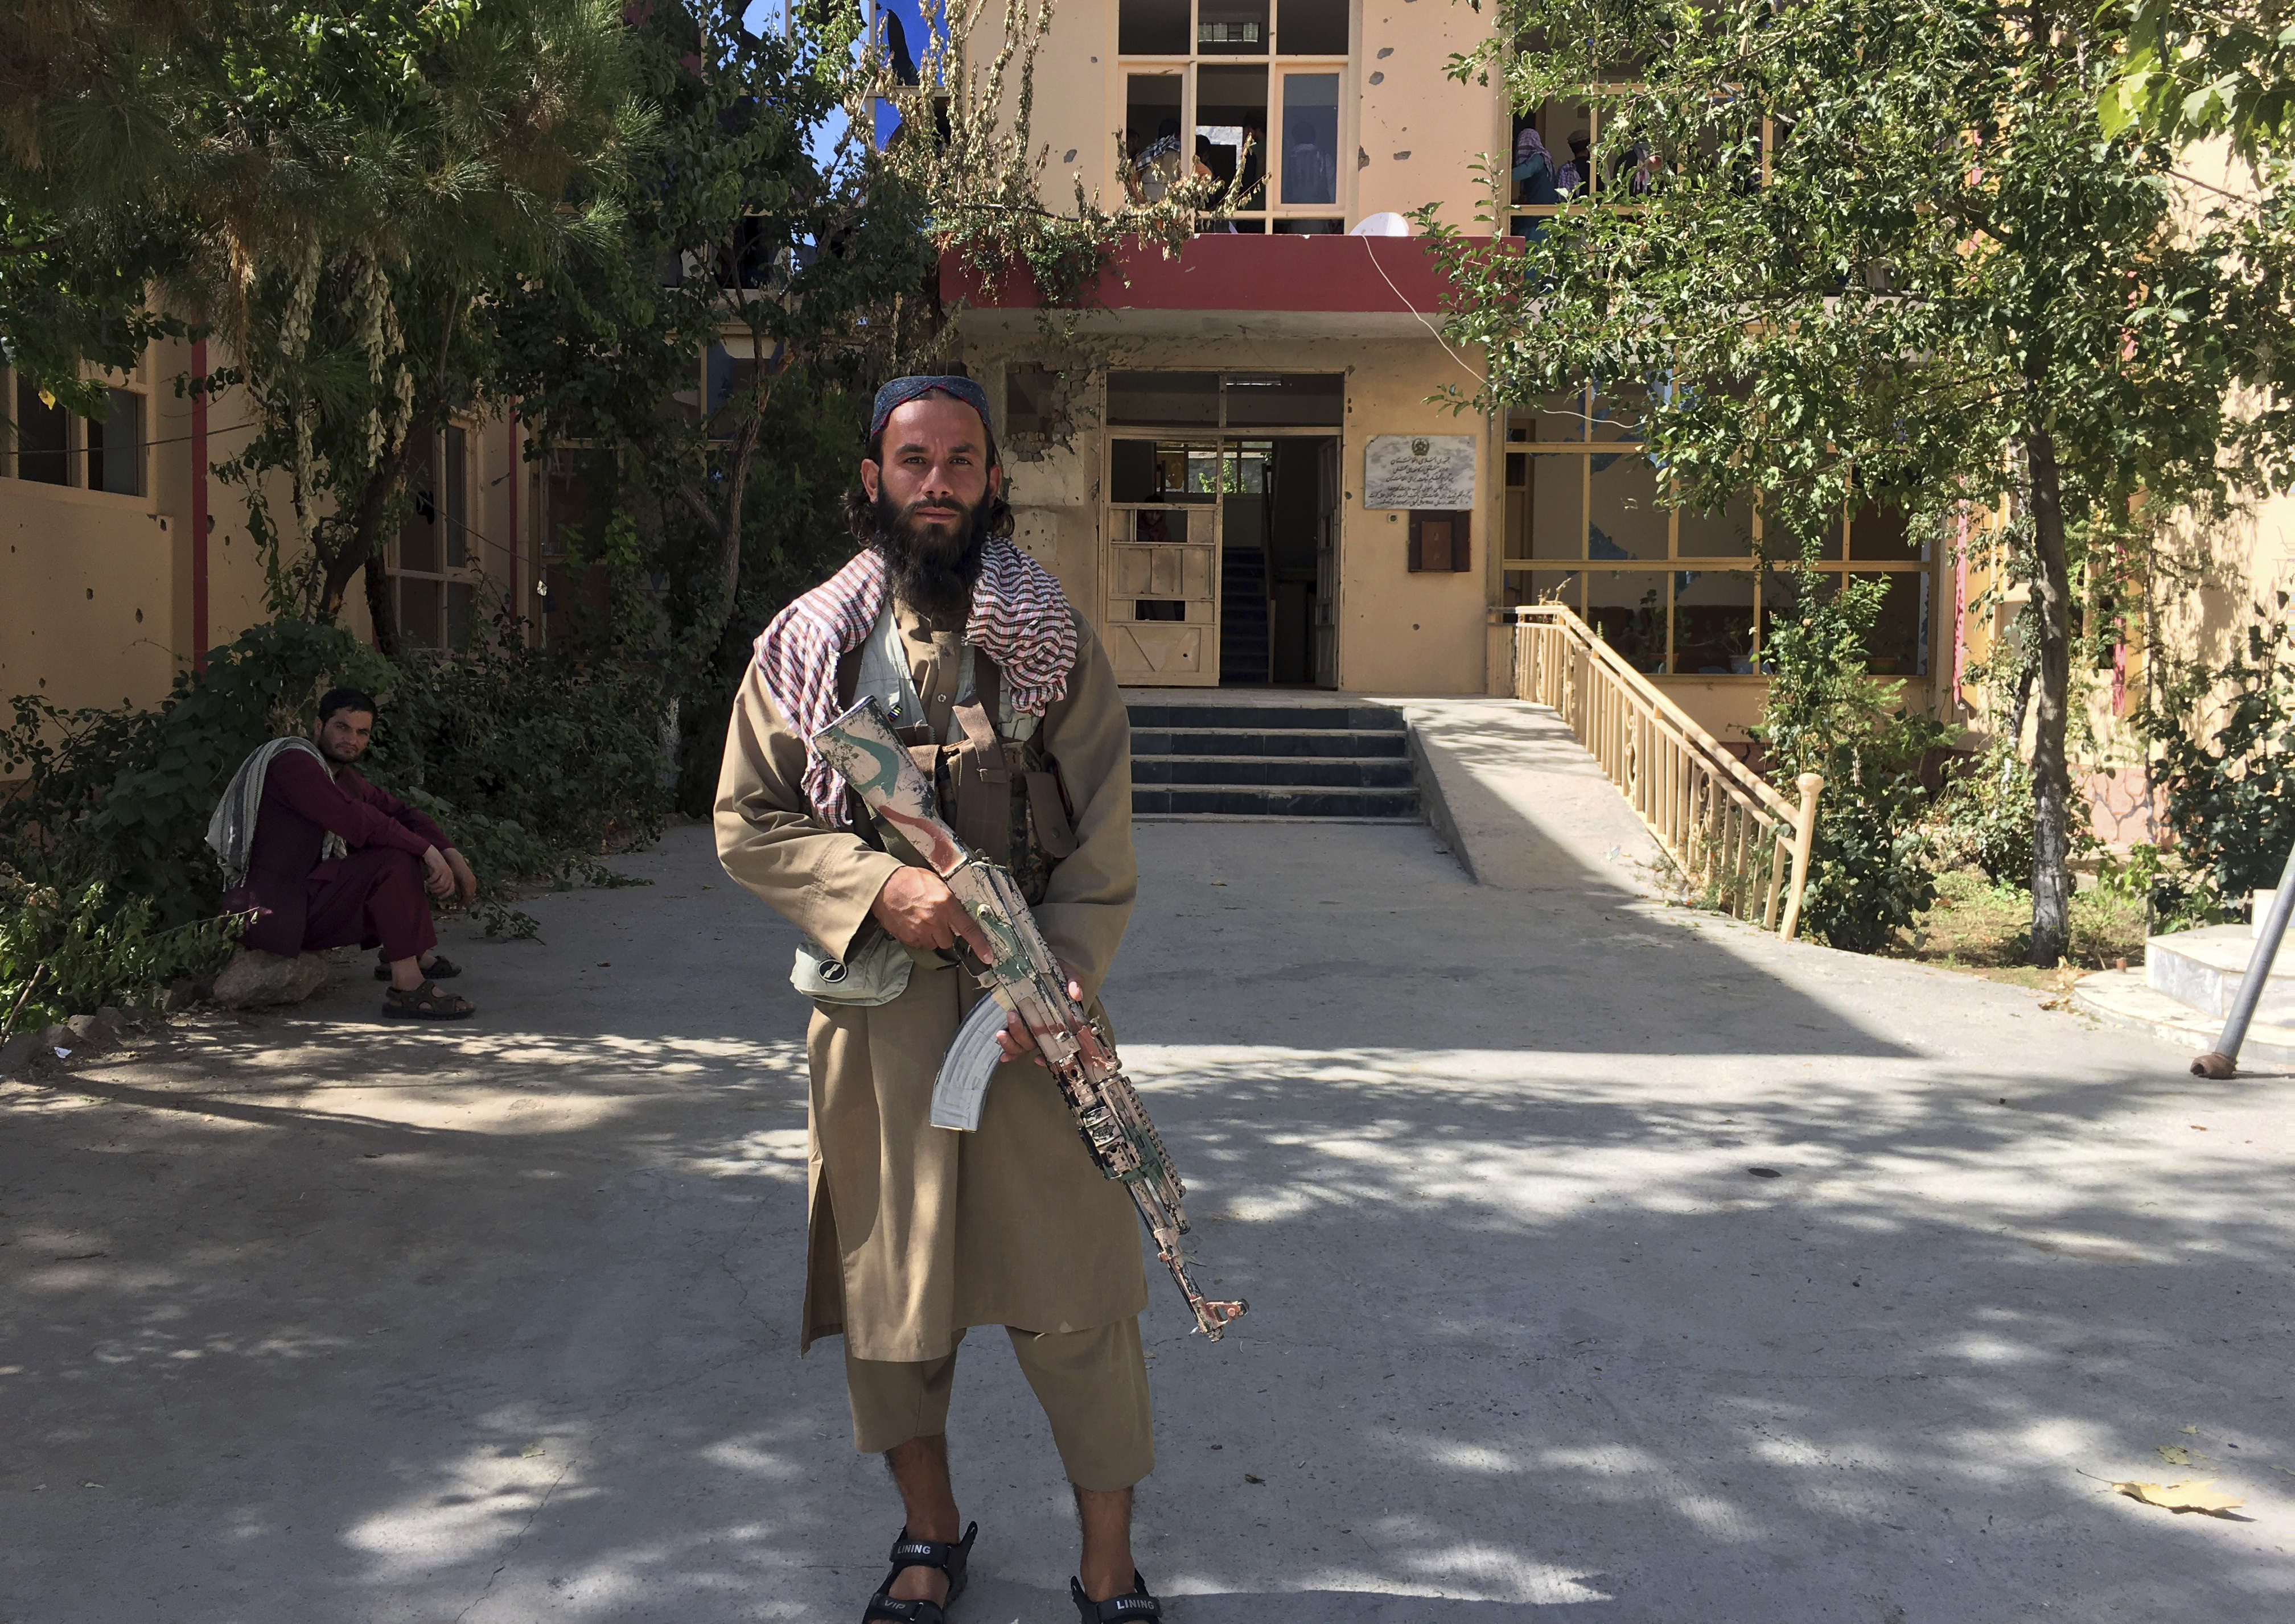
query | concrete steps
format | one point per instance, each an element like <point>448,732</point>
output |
<point>2185,988</point>
<point>1205,759</point>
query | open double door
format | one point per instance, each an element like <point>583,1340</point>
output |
<point>1222,559</point>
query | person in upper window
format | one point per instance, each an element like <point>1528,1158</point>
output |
<point>1578,171</point>
<point>1156,166</point>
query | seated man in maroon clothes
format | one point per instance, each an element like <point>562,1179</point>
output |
<point>333,862</point>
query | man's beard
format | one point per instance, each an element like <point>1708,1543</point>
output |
<point>931,572</point>
<point>333,758</point>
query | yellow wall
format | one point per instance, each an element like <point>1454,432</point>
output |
<point>1400,632</point>
<point>1408,140</point>
<point>86,597</point>
<point>1420,131</point>
<point>95,589</point>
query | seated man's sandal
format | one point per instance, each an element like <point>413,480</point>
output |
<point>1116,1609</point>
<point>949,1557</point>
<point>425,1003</point>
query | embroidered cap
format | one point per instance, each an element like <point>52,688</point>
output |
<point>901,391</point>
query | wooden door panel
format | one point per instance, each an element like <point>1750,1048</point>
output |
<point>1156,650</point>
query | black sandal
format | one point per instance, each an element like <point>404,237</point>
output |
<point>949,1557</point>
<point>426,1003</point>
<point>440,968</point>
<point>1138,1605</point>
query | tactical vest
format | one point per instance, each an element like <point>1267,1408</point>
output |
<point>1005,800</point>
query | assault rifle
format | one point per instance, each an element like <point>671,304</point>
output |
<point>1023,978</point>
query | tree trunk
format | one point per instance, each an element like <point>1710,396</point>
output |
<point>2051,778</point>
<point>724,524</point>
<point>365,544</point>
<point>366,523</point>
<point>380,607</point>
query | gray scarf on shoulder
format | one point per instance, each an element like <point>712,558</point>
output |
<point>230,832</point>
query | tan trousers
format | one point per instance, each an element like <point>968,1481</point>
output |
<point>1093,1386</point>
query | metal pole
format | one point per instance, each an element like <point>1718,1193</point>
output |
<point>2221,1061</point>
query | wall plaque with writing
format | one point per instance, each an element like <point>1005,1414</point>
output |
<point>1419,470</point>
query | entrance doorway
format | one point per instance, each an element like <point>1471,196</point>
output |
<point>1223,529</point>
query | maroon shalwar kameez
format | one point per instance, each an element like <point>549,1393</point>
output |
<point>373,896</point>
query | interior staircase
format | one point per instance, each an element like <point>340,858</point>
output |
<point>1305,760</point>
<point>1243,616</point>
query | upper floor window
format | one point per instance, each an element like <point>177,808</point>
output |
<point>1269,128</point>
<point>54,446</point>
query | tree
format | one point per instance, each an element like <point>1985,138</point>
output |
<point>380,179</point>
<point>1934,281</point>
<point>2190,72</point>
<point>762,252</point>
<point>778,264</point>
<point>89,91</point>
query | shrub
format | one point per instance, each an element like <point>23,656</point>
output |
<point>2227,739</point>
<point>67,951</point>
<point>534,764</point>
<point>1871,866</point>
<point>1985,817</point>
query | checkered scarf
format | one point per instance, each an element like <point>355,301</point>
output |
<point>1020,619</point>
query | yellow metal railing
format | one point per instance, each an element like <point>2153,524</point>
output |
<point>1734,837</point>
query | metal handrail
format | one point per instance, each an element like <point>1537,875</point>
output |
<point>1732,835</point>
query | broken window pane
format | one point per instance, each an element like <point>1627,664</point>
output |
<point>1232,115</point>
<point>1151,133</point>
<point>1311,27</point>
<point>1151,28</point>
<point>1625,520</point>
<point>42,438</point>
<point>1184,399</point>
<point>1285,400</point>
<point>418,538</point>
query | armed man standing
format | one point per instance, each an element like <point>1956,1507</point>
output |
<point>916,1233</point>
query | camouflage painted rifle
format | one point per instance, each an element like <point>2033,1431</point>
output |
<point>1023,979</point>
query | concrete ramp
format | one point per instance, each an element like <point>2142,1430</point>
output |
<point>1521,803</point>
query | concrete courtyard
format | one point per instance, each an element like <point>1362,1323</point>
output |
<point>317,1318</point>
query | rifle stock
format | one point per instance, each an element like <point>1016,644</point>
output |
<point>1024,978</point>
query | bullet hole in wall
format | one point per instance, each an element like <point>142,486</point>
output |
<point>91,594</point>
<point>1385,52</point>
<point>1378,78</point>
<point>139,617</point>
<point>1402,156</point>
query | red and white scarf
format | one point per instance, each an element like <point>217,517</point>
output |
<point>1020,619</point>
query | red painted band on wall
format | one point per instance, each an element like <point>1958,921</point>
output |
<point>516,540</point>
<point>1273,274</point>
<point>200,508</point>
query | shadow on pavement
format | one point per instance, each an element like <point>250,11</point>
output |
<point>322,1318</point>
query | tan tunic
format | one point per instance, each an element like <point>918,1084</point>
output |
<point>916,1232</point>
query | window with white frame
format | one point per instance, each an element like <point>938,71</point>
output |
<point>1246,91</point>
<point>50,446</point>
<point>434,563</point>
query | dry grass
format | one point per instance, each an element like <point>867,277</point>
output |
<point>1986,930</point>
